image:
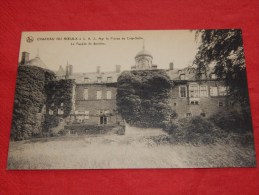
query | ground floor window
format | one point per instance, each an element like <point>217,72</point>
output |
<point>203,114</point>
<point>194,102</point>
<point>221,104</point>
<point>103,120</point>
<point>188,114</point>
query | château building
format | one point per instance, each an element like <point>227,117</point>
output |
<point>94,93</point>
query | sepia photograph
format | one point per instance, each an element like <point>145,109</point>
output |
<point>131,99</point>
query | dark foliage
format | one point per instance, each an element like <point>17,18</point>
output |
<point>143,97</point>
<point>195,130</point>
<point>225,49</point>
<point>59,96</point>
<point>30,97</point>
<point>232,120</point>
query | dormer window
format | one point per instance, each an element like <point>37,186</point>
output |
<point>109,79</point>
<point>86,80</point>
<point>182,76</point>
<point>99,79</point>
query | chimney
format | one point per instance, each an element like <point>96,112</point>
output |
<point>70,69</point>
<point>171,66</point>
<point>98,69</point>
<point>118,68</point>
<point>25,57</point>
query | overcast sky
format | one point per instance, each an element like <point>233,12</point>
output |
<point>178,46</point>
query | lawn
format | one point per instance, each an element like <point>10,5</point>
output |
<point>138,148</point>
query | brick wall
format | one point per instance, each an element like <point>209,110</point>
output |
<point>207,105</point>
<point>97,107</point>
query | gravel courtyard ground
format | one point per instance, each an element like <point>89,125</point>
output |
<point>138,148</point>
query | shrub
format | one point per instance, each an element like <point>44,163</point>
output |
<point>232,120</point>
<point>196,130</point>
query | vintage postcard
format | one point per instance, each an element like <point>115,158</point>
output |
<point>131,99</point>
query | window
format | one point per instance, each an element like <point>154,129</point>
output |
<point>60,111</point>
<point>221,104</point>
<point>62,104</point>
<point>203,91</point>
<point>182,76</point>
<point>52,104</point>
<point>98,95</point>
<point>86,114</point>
<point>103,120</point>
<point>213,91</point>
<point>182,91</point>
<point>188,114</point>
<point>194,102</point>
<point>85,94</point>
<point>194,91</point>
<point>99,79</point>
<point>109,79</point>
<point>222,91</point>
<point>174,104</point>
<point>203,114</point>
<point>108,95</point>
<point>213,76</point>
<point>86,80</point>
<point>51,112</point>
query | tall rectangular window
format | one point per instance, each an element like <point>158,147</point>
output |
<point>203,91</point>
<point>194,91</point>
<point>182,91</point>
<point>98,95</point>
<point>87,115</point>
<point>213,91</point>
<point>108,95</point>
<point>85,94</point>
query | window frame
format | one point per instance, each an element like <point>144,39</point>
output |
<point>100,95</point>
<point>202,91</point>
<point>86,92</point>
<point>185,88</point>
<point>110,95</point>
<point>197,91</point>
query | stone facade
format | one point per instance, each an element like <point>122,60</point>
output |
<point>209,98</point>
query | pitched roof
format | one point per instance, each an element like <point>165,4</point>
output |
<point>104,77</point>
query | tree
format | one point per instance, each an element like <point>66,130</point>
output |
<point>30,98</point>
<point>143,97</point>
<point>225,49</point>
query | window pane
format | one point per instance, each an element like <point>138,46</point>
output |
<point>109,94</point>
<point>182,91</point>
<point>99,95</point>
<point>85,94</point>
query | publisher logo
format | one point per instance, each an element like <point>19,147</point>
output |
<point>29,39</point>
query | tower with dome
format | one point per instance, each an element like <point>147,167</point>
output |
<point>143,60</point>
